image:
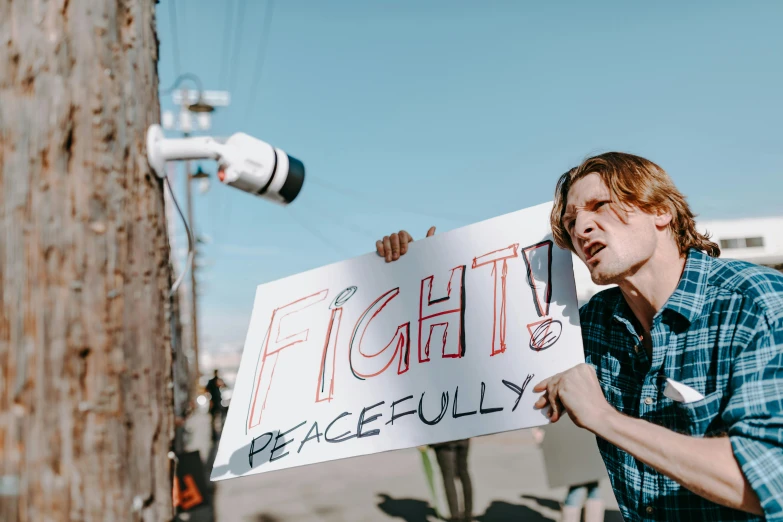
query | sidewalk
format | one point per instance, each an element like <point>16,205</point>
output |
<point>508,481</point>
<point>199,439</point>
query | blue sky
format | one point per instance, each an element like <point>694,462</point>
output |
<point>408,114</point>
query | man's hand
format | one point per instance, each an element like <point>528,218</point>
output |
<point>704,465</point>
<point>396,245</point>
<point>576,392</point>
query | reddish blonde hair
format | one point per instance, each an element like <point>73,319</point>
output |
<point>637,182</point>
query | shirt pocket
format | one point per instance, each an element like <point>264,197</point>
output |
<point>617,399</point>
<point>607,369</point>
<point>702,418</point>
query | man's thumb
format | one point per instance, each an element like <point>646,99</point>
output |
<point>431,232</point>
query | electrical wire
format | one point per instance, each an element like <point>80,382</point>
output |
<point>227,40</point>
<point>259,68</point>
<point>335,218</point>
<point>237,45</point>
<point>371,197</point>
<point>229,70</point>
<point>189,262</point>
<point>316,233</point>
<point>226,220</point>
<point>175,38</point>
<point>213,196</point>
<point>187,76</point>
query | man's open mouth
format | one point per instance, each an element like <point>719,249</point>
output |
<point>591,251</point>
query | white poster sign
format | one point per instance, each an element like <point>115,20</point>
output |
<point>365,356</point>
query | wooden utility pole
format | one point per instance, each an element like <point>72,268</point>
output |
<point>85,359</point>
<point>193,316</point>
<point>193,288</point>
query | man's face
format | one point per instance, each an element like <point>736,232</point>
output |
<point>612,245</point>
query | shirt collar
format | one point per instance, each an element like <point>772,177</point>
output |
<point>688,298</point>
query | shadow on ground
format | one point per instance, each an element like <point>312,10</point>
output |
<point>407,509</point>
<point>263,517</point>
<point>499,511</point>
<point>535,510</point>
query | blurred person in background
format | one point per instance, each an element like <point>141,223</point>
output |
<point>216,409</point>
<point>453,462</point>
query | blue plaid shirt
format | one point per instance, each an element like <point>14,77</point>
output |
<point>721,333</point>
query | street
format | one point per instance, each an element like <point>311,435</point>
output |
<point>507,469</point>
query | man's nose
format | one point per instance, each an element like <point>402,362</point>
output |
<point>584,225</point>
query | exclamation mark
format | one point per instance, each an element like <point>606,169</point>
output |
<point>538,261</point>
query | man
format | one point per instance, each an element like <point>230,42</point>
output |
<point>216,409</point>
<point>678,314</point>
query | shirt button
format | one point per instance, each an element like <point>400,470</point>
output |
<point>650,510</point>
<point>648,401</point>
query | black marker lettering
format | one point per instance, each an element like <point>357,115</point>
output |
<point>272,457</point>
<point>339,438</point>
<point>253,445</point>
<point>519,390</point>
<point>363,421</point>
<point>308,437</point>
<point>481,405</point>
<point>398,415</point>
<point>444,406</point>
<point>454,410</point>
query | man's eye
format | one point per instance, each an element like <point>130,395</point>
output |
<point>600,204</point>
<point>570,225</point>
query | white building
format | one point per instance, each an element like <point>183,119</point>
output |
<point>757,240</point>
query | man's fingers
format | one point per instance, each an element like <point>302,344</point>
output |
<point>554,401</point>
<point>552,413</point>
<point>556,407</point>
<point>557,411</point>
<point>541,402</point>
<point>395,245</point>
<point>404,238</point>
<point>541,386</point>
<point>392,247</point>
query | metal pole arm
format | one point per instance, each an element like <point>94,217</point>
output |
<point>161,149</point>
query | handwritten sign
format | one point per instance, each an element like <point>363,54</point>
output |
<point>364,356</point>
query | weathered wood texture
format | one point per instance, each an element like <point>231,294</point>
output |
<point>85,361</point>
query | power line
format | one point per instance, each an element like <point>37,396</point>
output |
<point>372,197</point>
<point>212,196</point>
<point>343,223</point>
<point>191,241</point>
<point>303,223</point>
<point>225,205</point>
<point>226,41</point>
<point>237,46</point>
<point>226,220</point>
<point>254,85</point>
<point>173,21</point>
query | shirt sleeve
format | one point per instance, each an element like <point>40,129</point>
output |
<point>754,415</point>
